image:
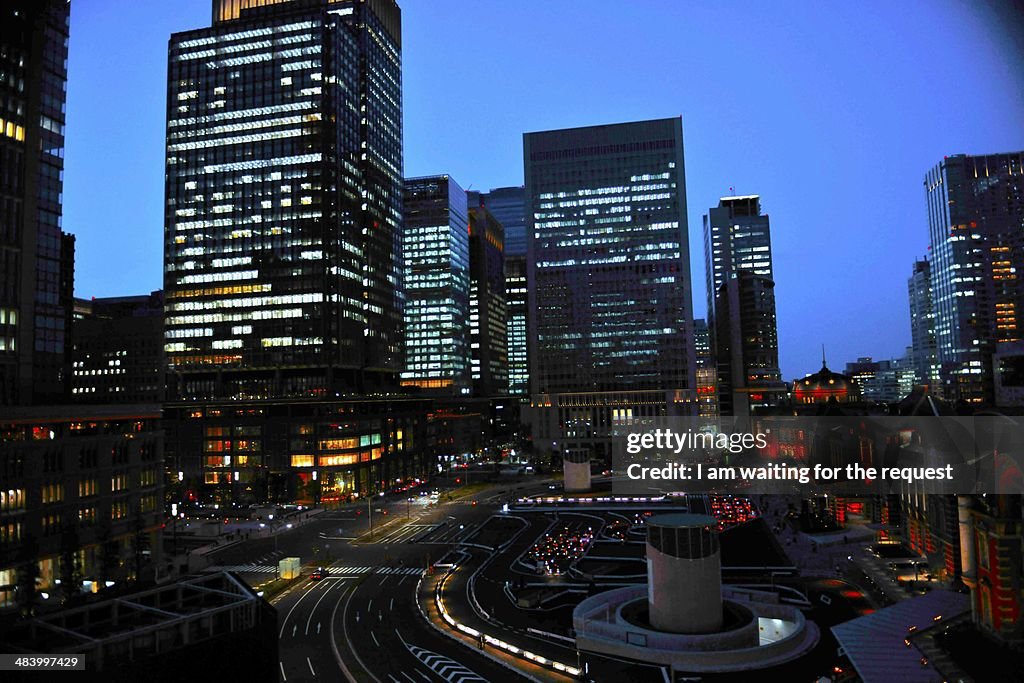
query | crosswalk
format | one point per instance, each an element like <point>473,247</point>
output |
<point>331,571</point>
<point>408,533</point>
<point>446,668</point>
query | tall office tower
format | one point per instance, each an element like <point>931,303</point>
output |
<point>284,200</point>
<point>283,269</point>
<point>507,205</point>
<point>707,374</point>
<point>609,281</point>
<point>746,345</point>
<point>488,351</point>
<point>737,239</point>
<point>975,219</point>
<point>118,350</point>
<point>737,236</point>
<point>435,245</point>
<point>922,327</point>
<point>36,259</point>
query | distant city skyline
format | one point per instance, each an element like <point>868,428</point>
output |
<point>837,150</point>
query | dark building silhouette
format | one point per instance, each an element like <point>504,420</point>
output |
<point>118,350</point>
<point>487,309</point>
<point>36,258</point>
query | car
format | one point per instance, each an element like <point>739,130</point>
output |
<point>318,574</point>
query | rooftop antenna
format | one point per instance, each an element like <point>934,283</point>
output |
<point>823,364</point>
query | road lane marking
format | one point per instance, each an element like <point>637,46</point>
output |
<point>375,642</point>
<point>285,622</point>
<point>283,677</point>
<point>310,666</point>
<point>313,611</point>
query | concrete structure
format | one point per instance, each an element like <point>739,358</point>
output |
<point>684,618</point>
<point>576,469</point>
<point>684,573</point>
<point>196,624</point>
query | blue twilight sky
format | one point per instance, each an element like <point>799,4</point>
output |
<point>832,112</point>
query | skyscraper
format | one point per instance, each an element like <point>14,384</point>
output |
<point>487,323</point>
<point>283,268</point>
<point>507,205</point>
<point>738,267</point>
<point>975,220</point>
<point>36,258</point>
<point>611,335</point>
<point>707,373</point>
<point>922,327</point>
<point>435,245</point>
<point>284,200</point>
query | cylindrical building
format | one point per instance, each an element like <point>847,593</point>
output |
<point>576,467</point>
<point>684,573</point>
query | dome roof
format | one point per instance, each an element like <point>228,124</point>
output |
<point>825,385</point>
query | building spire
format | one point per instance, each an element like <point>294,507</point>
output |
<point>824,366</point>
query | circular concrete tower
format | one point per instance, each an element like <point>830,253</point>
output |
<point>576,466</point>
<point>684,573</point>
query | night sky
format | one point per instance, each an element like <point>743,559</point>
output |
<point>832,112</point>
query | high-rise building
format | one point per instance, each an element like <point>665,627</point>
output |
<point>118,350</point>
<point>507,205</point>
<point>975,214</point>
<point>435,245</point>
<point>283,259</point>
<point>884,381</point>
<point>284,200</point>
<point>707,374</point>
<point>611,334</point>
<point>922,327</point>
<point>737,236</point>
<point>746,345</point>
<point>487,312</point>
<point>36,258</point>
<point>738,267</point>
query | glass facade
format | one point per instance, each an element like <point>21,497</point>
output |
<point>283,274</point>
<point>609,280</point>
<point>744,336</point>
<point>922,327</point>
<point>36,258</point>
<point>437,282</point>
<point>508,206</point>
<point>975,221</point>
<point>736,237</point>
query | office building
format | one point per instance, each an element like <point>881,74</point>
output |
<point>36,258</point>
<point>435,245</point>
<point>975,213</point>
<point>284,201</point>
<point>507,205</point>
<point>487,311</point>
<point>744,336</point>
<point>883,381</point>
<point>81,507</point>
<point>611,334</point>
<point>707,374</point>
<point>118,350</point>
<point>283,255</point>
<point>922,327</point>
<point>746,345</point>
